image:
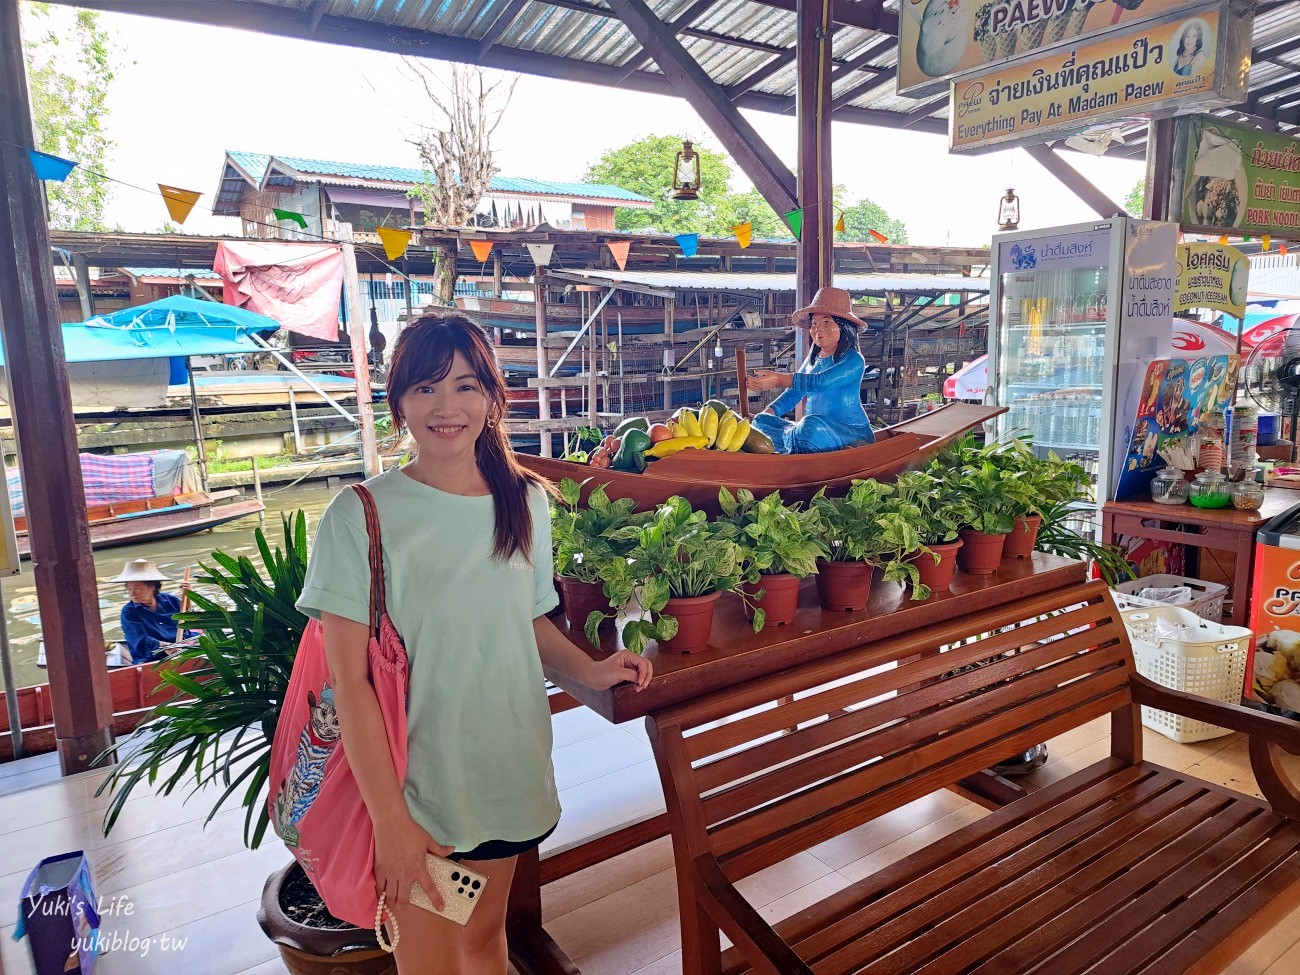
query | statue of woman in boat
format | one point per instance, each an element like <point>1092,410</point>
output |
<point>830,380</point>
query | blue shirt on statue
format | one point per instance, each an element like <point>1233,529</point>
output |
<point>833,416</point>
<point>144,630</point>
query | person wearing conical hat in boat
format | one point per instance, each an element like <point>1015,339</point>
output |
<point>149,617</point>
<point>830,380</point>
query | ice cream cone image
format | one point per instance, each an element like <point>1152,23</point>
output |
<point>1031,36</point>
<point>1077,16</point>
<point>1006,43</point>
<point>1056,25</point>
<point>983,34</point>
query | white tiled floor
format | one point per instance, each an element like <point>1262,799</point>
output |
<point>617,918</point>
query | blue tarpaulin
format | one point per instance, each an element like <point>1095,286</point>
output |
<point>168,328</point>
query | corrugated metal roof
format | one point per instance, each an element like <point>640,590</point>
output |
<point>857,284</point>
<point>171,272</point>
<point>294,165</point>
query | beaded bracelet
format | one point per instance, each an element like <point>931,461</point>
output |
<point>380,912</point>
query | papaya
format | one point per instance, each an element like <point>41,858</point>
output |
<point>666,448</point>
<point>632,423</point>
<point>758,442</point>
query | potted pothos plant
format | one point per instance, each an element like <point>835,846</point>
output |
<point>863,532</point>
<point>589,554</point>
<point>779,546</point>
<point>938,510</point>
<point>214,730</point>
<point>1042,482</point>
<point>990,493</point>
<point>682,565</point>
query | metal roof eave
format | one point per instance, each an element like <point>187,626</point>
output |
<point>668,283</point>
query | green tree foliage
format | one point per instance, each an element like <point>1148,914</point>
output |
<point>1135,199</point>
<point>646,167</point>
<point>69,59</point>
<point>865,216</point>
<point>750,207</point>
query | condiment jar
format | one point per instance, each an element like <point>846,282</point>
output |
<point>1247,495</point>
<point>1210,490</point>
<point>1168,487</point>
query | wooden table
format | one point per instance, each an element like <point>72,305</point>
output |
<point>1224,529</point>
<point>737,654</point>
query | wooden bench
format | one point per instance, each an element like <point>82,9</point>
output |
<point>1122,867</point>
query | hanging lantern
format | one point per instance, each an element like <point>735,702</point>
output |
<point>686,174</point>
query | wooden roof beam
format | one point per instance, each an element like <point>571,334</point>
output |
<point>692,13</point>
<point>863,14</point>
<point>1074,181</point>
<point>756,78</point>
<point>764,167</point>
<point>500,24</point>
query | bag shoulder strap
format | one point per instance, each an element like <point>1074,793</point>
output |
<point>378,608</point>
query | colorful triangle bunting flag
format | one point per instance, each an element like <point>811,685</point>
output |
<point>689,243</point>
<point>620,248</point>
<point>541,253</point>
<point>744,233</point>
<point>795,219</point>
<point>179,202</point>
<point>878,237</point>
<point>481,249</point>
<point>297,218</point>
<point>839,224</point>
<point>395,241</point>
<point>55,169</point>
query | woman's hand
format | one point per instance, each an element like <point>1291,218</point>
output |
<point>622,666</point>
<point>400,848</point>
<point>765,379</point>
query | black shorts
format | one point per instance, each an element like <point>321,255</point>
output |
<point>501,849</point>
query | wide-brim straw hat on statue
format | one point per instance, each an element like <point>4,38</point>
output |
<point>140,570</point>
<point>828,301</point>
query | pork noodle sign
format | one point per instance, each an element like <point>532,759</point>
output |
<point>940,38</point>
<point>1146,70</point>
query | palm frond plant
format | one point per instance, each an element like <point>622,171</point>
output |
<point>1070,531</point>
<point>216,726</point>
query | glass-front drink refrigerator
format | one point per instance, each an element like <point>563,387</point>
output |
<point>1077,314</point>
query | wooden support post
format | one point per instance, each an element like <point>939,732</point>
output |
<point>81,270</point>
<point>257,488</point>
<point>817,242</point>
<point>496,272</point>
<point>591,376</point>
<point>669,314</point>
<point>742,384</point>
<point>293,418</point>
<point>543,365</point>
<point>1074,181</point>
<point>360,358</point>
<point>196,420</point>
<point>1156,204</point>
<point>66,589</point>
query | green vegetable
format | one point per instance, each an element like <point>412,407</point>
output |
<point>632,423</point>
<point>631,452</point>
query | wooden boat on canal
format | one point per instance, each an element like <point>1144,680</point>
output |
<point>696,475</point>
<point>154,519</point>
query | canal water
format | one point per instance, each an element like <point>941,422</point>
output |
<point>172,556</point>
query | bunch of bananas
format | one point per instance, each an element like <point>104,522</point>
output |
<point>725,432</point>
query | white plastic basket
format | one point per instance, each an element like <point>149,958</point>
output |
<point>1207,597</point>
<point>1213,666</point>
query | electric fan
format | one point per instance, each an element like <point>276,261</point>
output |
<point>1272,378</point>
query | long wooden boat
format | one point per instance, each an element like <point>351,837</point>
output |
<point>696,475</point>
<point>154,519</point>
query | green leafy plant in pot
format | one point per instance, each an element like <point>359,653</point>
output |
<point>214,731</point>
<point>683,565</point>
<point>1040,483</point>
<point>990,493</point>
<point>590,557</point>
<point>938,510</point>
<point>863,531</point>
<point>779,545</point>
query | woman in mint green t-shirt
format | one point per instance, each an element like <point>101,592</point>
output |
<point>467,561</point>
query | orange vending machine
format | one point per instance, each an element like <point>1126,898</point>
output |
<point>1273,670</point>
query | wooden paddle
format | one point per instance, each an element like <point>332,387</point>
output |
<point>742,383</point>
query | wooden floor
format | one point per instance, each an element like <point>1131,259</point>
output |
<point>618,918</point>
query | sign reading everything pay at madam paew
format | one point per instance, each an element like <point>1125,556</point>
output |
<point>1149,70</point>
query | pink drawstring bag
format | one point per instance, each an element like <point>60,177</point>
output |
<point>314,804</point>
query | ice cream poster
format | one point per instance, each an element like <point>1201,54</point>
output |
<point>939,38</point>
<point>1211,276</point>
<point>1174,394</point>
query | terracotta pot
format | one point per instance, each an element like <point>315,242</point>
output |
<point>318,951</point>
<point>844,585</point>
<point>579,599</point>
<point>694,615</point>
<point>780,600</point>
<point>1023,538</point>
<point>980,553</point>
<point>938,576</point>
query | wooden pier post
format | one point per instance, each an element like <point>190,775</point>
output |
<point>543,365</point>
<point>66,591</point>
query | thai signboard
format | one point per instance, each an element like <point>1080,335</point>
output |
<point>941,38</point>
<point>1233,179</point>
<point>1198,57</point>
<point>1211,276</point>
